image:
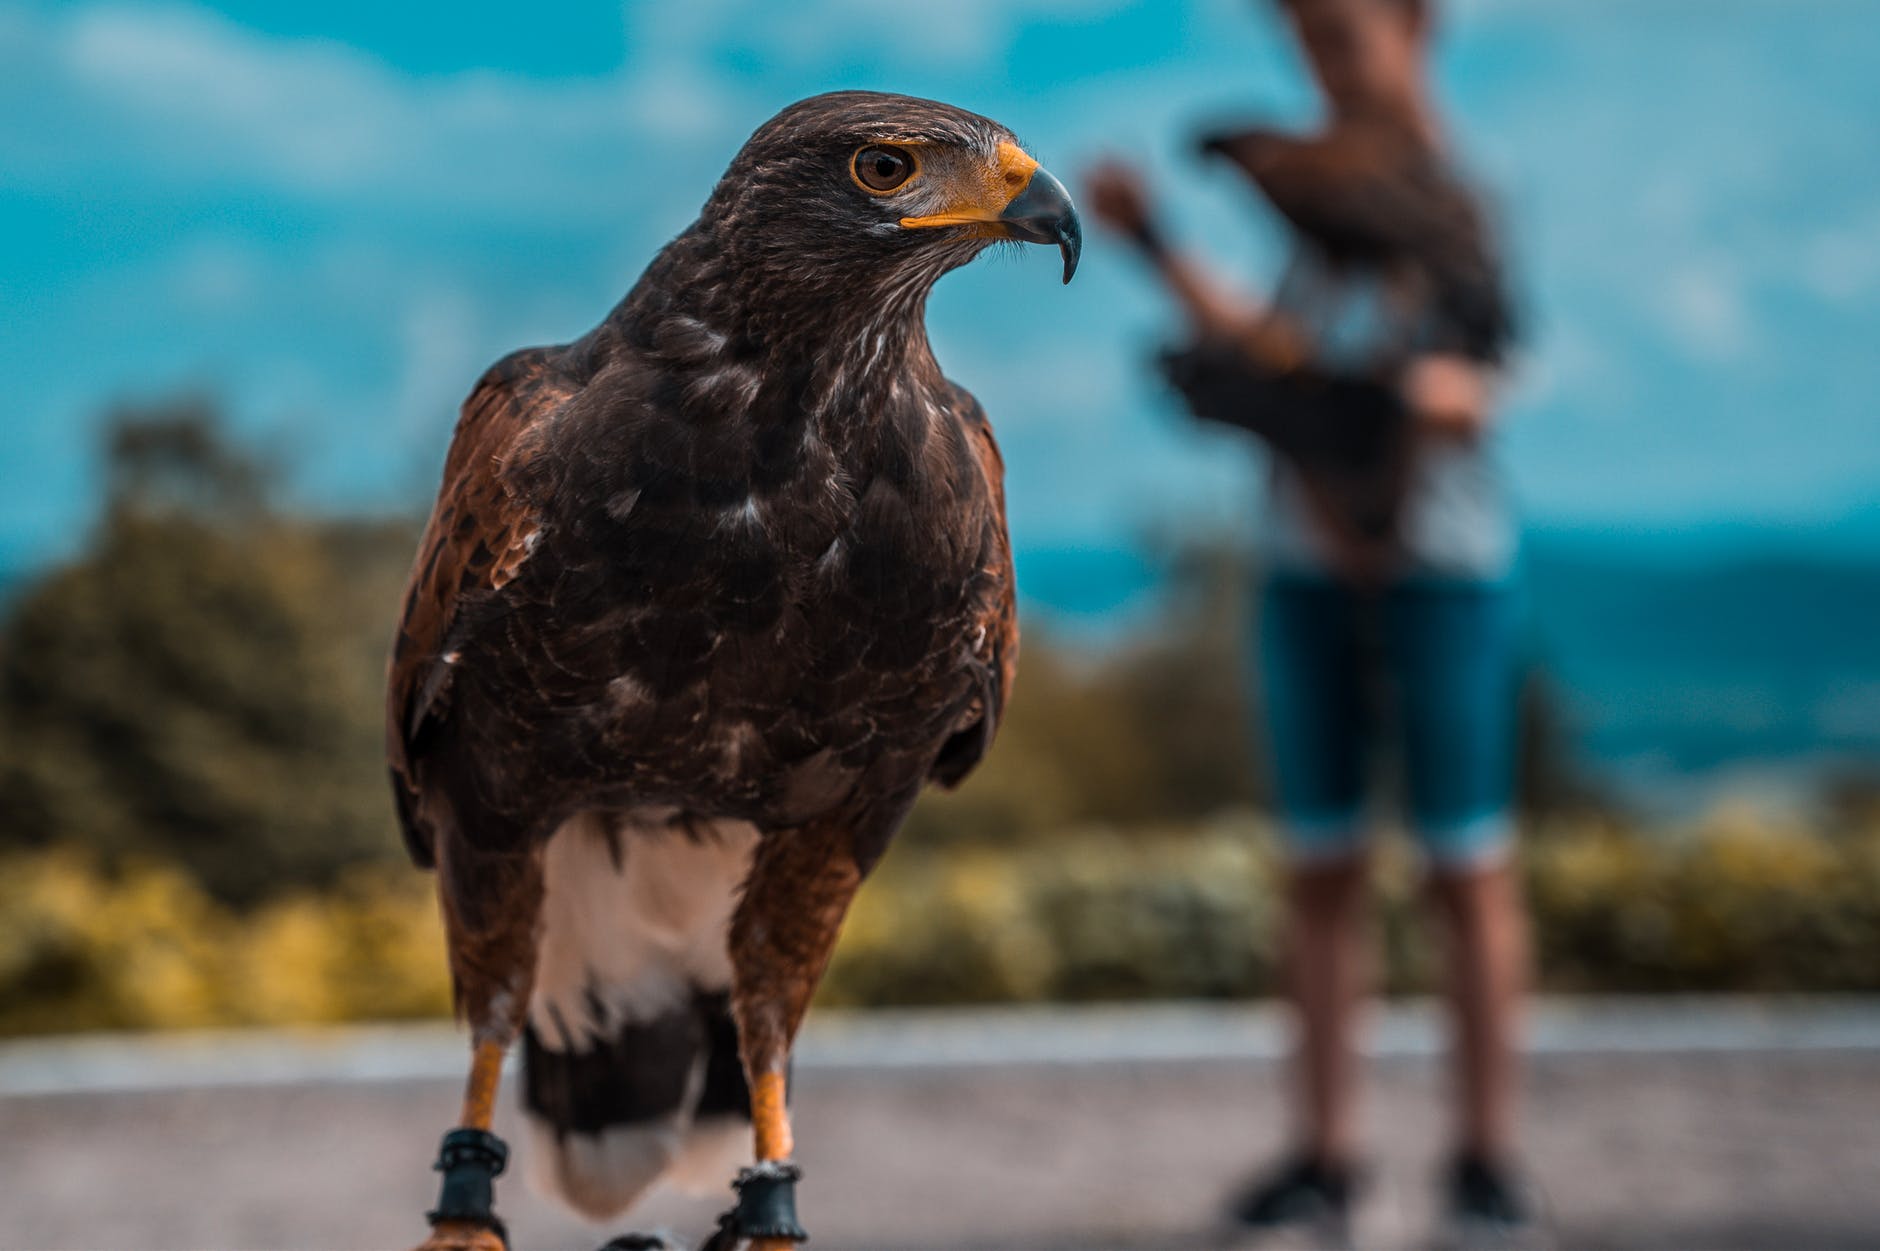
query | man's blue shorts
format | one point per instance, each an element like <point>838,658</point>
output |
<point>1431,666</point>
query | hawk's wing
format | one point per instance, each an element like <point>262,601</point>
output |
<point>480,534</point>
<point>995,633</point>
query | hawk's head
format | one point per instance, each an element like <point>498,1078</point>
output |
<point>875,192</point>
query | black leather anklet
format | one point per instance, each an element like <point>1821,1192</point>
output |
<point>470,1160</point>
<point>766,1208</point>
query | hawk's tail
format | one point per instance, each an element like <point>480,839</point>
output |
<point>630,1058</point>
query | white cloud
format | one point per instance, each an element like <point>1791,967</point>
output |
<point>1843,264</point>
<point>1707,311</point>
<point>178,96</point>
<point>298,110</point>
<point>439,357</point>
<point>216,276</point>
<point>951,34</point>
<point>1567,361</point>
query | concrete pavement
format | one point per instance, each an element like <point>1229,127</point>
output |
<point>1652,1124</point>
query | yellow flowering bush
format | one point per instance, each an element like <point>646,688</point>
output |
<point>1735,904</point>
<point>144,947</point>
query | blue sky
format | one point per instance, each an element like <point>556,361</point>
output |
<point>334,214</point>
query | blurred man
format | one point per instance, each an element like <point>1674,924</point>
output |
<point>1392,291</point>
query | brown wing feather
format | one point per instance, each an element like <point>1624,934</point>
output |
<point>1001,619</point>
<point>479,535</point>
<point>996,629</point>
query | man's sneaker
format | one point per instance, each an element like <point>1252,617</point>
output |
<point>1491,1207</point>
<point>1304,1195</point>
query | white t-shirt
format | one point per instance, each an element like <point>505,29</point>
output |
<point>1457,520</point>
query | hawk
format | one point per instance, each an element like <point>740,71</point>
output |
<point>706,598</point>
<point>1371,196</point>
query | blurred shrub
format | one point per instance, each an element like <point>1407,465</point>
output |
<point>202,685</point>
<point>1185,913</point>
<point>1738,905</point>
<point>1735,905</point>
<point>1087,916</point>
<point>144,947</point>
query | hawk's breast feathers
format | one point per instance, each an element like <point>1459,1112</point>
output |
<point>622,592</point>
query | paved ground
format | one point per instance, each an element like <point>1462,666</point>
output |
<point>1694,1126</point>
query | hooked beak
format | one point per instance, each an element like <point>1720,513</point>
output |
<point>1043,213</point>
<point>1253,151</point>
<point>1016,200</point>
<point>1220,142</point>
<point>1249,149</point>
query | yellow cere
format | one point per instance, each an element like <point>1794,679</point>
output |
<point>982,199</point>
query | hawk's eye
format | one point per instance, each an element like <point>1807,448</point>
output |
<point>882,168</point>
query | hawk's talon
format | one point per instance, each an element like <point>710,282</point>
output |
<point>470,1160</point>
<point>462,1236</point>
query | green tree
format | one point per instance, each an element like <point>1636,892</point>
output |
<point>202,683</point>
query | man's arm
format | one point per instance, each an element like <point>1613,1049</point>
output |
<point>1214,310</point>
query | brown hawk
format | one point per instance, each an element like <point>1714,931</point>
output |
<point>1372,196</point>
<point>707,597</point>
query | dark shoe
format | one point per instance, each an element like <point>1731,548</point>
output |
<point>1491,1205</point>
<point>1301,1194</point>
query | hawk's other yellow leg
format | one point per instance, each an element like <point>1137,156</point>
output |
<point>800,886</point>
<point>770,1123</point>
<point>479,1092</point>
<point>770,1118</point>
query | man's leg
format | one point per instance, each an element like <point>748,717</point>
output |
<point>1314,729</point>
<point>1486,933</point>
<point>1455,649</point>
<point>1314,700</point>
<point>1328,972</point>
